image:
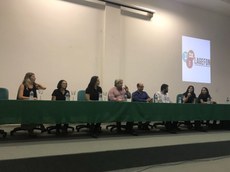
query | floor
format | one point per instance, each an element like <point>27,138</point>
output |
<point>221,164</point>
<point>19,147</point>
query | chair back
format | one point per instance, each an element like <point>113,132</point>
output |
<point>179,98</point>
<point>81,95</point>
<point>4,94</point>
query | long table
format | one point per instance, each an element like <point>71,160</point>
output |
<point>15,111</point>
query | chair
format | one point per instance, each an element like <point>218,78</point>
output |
<point>60,128</point>
<point>179,99</point>
<point>29,128</point>
<point>4,95</point>
<point>143,125</point>
<point>119,126</point>
<point>157,123</point>
<point>81,97</point>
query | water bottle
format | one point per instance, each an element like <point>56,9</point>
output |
<point>228,100</point>
<point>179,100</point>
<point>31,97</point>
<point>155,98</point>
<point>67,96</point>
<point>125,98</point>
<point>208,101</point>
<point>100,97</point>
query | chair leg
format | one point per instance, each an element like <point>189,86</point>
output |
<point>66,127</point>
<point>28,127</point>
<point>50,128</point>
<point>79,127</point>
<point>17,129</point>
<point>3,133</point>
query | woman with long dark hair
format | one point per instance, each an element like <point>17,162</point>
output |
<point>189,97</point>
<point>204,96</point>
<point>60,94</point>
<point>92,93</point>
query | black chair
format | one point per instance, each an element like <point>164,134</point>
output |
<point>4,95</point>
<point>29,128</point>
<point>143,125</point>
<point>60,129</point>
<point>81,97</point>
<point>179,99</point>
<point>170,126</point>
<point>118,126</point>
<point>157,123</point>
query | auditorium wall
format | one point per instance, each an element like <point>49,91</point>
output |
<point>74,41</point>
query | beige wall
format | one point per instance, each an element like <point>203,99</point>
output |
<point>57,39</point>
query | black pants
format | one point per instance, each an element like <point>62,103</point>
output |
<point>128,126</point>
<point>171,125</point>
<point>95,127</point>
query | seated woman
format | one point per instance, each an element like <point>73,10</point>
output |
<point>26,89</point>
<point>92,93</point>
<point>189,97</point>
<point>205,98</point>
<point>60,94</point>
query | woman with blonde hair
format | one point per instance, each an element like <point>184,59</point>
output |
<point>28,85</point>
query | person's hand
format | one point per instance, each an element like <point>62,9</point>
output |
<point>120,100</point>
<point>149,100</point>
<point>126,88</point>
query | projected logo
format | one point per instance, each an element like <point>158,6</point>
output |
<point>190,59</point>
<point>196,60</point>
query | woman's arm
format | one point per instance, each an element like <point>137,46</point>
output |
<point>53,98</point>
<point>202,101</point>
<point>20,93</point>
<point>40,87</point>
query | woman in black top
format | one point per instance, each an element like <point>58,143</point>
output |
<point>61,91</point>
<point>27,86</point>
<point>189,97</point>
<point>92,92</point>
<point>60,94</point>
<point>204,96</point>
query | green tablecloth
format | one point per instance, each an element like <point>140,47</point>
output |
<point>13,111</point>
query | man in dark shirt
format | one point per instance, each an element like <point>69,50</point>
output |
<point>141,96</point>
